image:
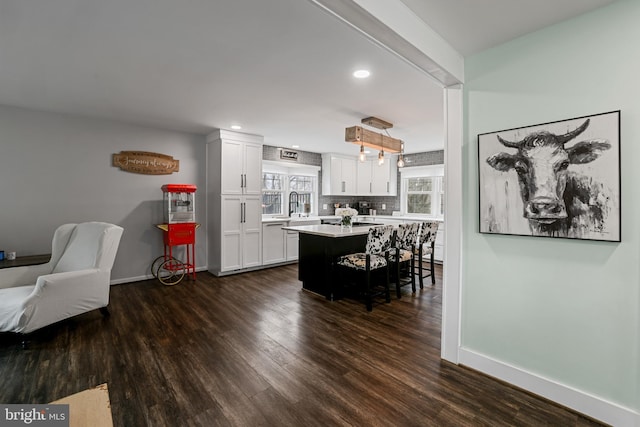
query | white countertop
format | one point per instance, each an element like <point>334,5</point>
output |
<point>372,218</point>
<point>329,230</point>
<point>368,218</point>
<point>291,220</point>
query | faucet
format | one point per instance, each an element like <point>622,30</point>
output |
<point>293,202</point>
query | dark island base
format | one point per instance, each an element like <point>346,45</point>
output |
<point>317,255</point>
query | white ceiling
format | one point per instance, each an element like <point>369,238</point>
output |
<point>280,68</point>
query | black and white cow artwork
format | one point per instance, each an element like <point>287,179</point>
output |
<point>557,201</point>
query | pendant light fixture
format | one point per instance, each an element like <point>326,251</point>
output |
<point>375,140</point>
<point>401,156</point>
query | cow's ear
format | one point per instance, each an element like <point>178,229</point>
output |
<point>587,151</point>
<point>502,161</point>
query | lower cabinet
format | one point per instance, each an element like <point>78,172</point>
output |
<point>292,245</point>
<point>438,253</point>
<point>278,245</point>
<point>274,243</point>
<point>241,233</point>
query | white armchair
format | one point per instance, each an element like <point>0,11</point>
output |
<point>74,281</point>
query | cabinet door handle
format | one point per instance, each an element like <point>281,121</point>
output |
<point>241,213</point>
<point>343,186</point>
<point>387,186</point>
<point>370,187</point>
<point>241,181</point>
<point>245,180</point>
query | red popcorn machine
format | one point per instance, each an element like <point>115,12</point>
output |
<point>178,229</point>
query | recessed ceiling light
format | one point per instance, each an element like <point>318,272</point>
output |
<point>361,74</point>
<point>295,146</point>
<point>236,127</point>
<point>367,152</point>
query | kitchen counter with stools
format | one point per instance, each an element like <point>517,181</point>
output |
<point>319,246</point>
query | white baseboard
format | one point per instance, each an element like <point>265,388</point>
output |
<point>592,406</point>
<point>145,277</point>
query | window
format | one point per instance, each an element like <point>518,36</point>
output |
<point>420,195</point>
<point>423,191</point>
<point>303,187</point>
<point>272,193</point>
<point>288,190</point>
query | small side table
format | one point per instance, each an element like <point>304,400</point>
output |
<point>25,260</point>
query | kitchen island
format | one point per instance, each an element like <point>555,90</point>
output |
<point>319,246</point>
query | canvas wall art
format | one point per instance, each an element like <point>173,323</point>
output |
<point>557,179</point>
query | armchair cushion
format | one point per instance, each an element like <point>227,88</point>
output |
<point>12,307</point>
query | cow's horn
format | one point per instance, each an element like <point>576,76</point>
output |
<point>509,143</point>
<point>563,139</point>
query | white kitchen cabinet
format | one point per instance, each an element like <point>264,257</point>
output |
<point>292,245</point>
<point>234,201</point>
<point>438,253</point>
<point>338,175</point>
<point>376,180</point>
<point>241,232</point>
<point>241,170</point>
<point>363,177</point>
<point>274,242</point>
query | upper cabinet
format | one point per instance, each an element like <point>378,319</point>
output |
<point>241,169</point>
<point>338,175</point>
<point>377,180</point>
<point>346,176</point>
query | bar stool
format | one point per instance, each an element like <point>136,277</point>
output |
<point>374,259</point>
<point>426,246</point>
<point>403,254</point>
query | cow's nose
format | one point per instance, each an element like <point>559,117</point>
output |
<point>546,207</point>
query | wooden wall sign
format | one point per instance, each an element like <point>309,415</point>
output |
<point>146,163</point>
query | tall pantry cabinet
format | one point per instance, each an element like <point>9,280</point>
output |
<point>234,201</point>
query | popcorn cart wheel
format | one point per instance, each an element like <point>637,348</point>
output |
<point>169,271</point>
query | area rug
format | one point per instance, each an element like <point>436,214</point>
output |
<point>89,408</point>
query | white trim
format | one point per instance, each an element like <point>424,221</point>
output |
<point>145,277</point>
<point>592,406</point>
<point>393,26</point>
<point>274,166</point>
<point>417,171</point>
<point>452,259</point>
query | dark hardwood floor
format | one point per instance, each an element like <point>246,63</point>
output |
<point>254,349</point>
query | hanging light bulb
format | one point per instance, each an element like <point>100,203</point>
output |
<point>401,156</point>
<point>362,156</point>
<point>381,157</point>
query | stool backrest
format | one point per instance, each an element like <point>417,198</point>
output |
<point>428,232</point>
<point>407,235</point>
<point>379,239</point>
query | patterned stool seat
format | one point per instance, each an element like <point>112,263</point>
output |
<point>359,261</point>
<point>426,250</point>
<point>405,255</point>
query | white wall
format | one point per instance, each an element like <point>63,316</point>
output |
<point>564,311</point>
<point>56,169</point>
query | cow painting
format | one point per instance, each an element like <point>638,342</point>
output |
<point>558,199</point>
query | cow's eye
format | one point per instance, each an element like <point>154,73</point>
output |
<point>563,166</point>
<point>520,167</point>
